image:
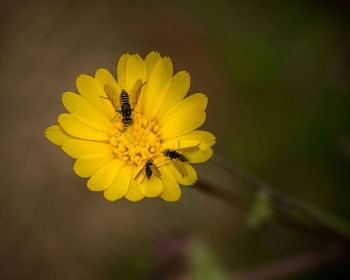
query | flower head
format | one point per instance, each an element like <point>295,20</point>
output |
<point>134,137</point>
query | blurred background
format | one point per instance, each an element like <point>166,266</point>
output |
<point>277,74</point>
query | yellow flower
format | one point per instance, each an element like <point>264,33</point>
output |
<point>144,158</point>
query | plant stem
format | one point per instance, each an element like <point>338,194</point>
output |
<point>242,203</point>
<point>323,227</point>
<point>293,265</point>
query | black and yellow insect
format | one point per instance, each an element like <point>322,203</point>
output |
<point>147,170</point>
<point>123,103</point>
<point>177,157</point>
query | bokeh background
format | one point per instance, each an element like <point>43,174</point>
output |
<point>277,75</point>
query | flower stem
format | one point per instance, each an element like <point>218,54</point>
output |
<point>243,204</point>
<point>320,225</point>
<point>293,265</point>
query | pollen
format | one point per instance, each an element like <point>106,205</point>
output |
<point>136,143</point>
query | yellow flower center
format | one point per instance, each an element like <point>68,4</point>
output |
<point>137,143</point>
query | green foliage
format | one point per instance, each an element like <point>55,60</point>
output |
<point>204,265</point>
<point>261,210</point>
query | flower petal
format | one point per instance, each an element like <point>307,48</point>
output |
<point>105,176</point>
<point>135,69</point>
<point>103,77</point>
<point>76,128</point>
<point>197,101</point>
<point>182,125</point>
<point>151,187</point>
<point>200,156</point>
<point>150,61</point>
<point>196,136</point>
<point>120,185</point>
<point>85,112</point>
<point>56,135</point>
<point>203,154</point>
<point>86,86</point>
<point>121,70</point>
<point>157,87</point>
<point>88,165</point>
<point>186,116</point>
<point>171,191</point>
<point>134,192</point>
<point>206,139</point>
<point>179,86</point>
<point>77,148</point>
<point>189,180</point>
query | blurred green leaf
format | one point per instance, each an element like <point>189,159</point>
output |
<point>261,210</point>
<point>204,265</point>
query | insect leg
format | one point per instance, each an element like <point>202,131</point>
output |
<point>143,178</point>
<point>114,117</point>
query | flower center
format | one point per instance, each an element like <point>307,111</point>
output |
<point>137,143</point>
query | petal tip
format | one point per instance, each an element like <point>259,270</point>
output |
<point>134,200</point>
<point>109,197</point>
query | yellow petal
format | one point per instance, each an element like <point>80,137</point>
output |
<point>105,176</point>
<point>151,187</point>
<point>179,86</point>
<point>196,136</point>
<point>56,135</point>
<point>171,189</point>
<point>135,69</point>
<point>206,139</point>
<point>88,165</point>
<point>77,148</point>
<point>157,86</point>
<point>121,70</point>
<point>103,77</point>
<point>86,86</point>
<point>85,112</point>
<point>182,124</point>
<point>151,60</point>
<point>191,177</point>
<point>134,192</point>
<point>76,128</point>
<point>186,116</point>
<point>197,101</point>
<point>120,185</point>
<point>201,155</point>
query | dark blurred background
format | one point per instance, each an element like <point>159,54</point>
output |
<point>277,75</point>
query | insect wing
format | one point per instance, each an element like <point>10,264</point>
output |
<point>180,167</point>
<point>189,149</point>
<point>112,95</point>
<point>155,171</point>
<point>135,92</point>
<point>140,172</point>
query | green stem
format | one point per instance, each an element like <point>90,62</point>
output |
<point>322,225</point>
<point>282,268</point>
<point>242,203</point>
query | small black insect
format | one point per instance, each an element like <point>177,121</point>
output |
<point>124,104</point>
<point>147,170</point>
<point>173,154</point>
<point>125,108</point>
<point>177,157</point>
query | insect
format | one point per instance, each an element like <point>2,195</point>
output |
<point>177,157</point>
<point>125,104</point>
<point>147,170</point>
